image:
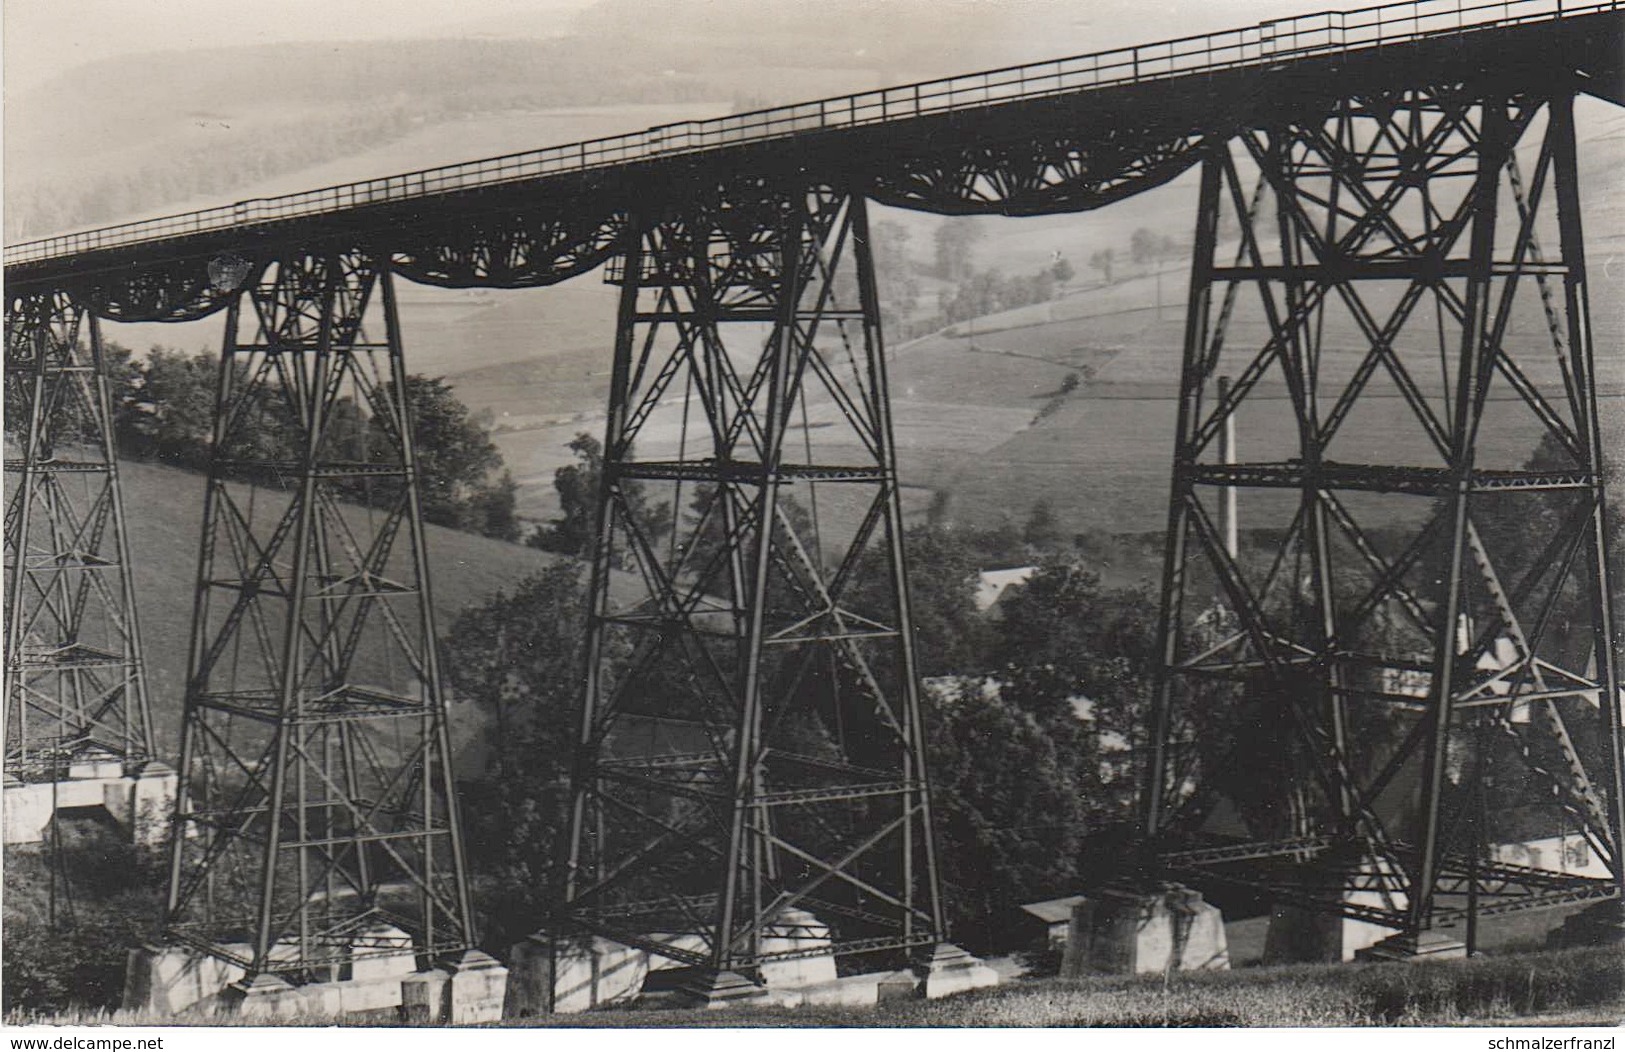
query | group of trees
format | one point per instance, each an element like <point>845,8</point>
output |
<point>1037,720</point>
<point>163,410</point>
<point>1019,771</point>
<point>973,292</point>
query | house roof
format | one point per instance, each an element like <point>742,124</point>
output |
<point>1054,911</point>
<point>991,584</point>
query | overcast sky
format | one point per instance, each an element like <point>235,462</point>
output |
<point>46,37</point>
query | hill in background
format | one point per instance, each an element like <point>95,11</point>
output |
<point>275,118</point>
<point>163,509</point>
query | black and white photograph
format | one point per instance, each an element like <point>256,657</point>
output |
<point>878,515</point>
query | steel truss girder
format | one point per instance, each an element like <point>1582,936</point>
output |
<point>1048,173</point>
<point>316,800</point>
<point>518,249</point>
<point>1303,872</point>
<point>1424,194</point>
<point>74,675</point>
<point>745,312</point>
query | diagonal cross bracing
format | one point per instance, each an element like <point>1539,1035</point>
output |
<point>1405,279</point>
<point>777,629</point>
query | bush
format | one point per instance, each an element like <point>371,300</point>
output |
<point>115,896</point>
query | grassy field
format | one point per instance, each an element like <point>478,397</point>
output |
<point>163,506</point>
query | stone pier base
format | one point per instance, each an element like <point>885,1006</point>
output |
<point>169,980</point>
<point>138,796</point>
<point>1425,946</point>
<point>947,969</point>
<point>476,989</point>
<point>1127,931</point>
<point>720,990</point>
<point>1298,935</point>
<point>799,932</point>
<point>572,974</point>
<point>1302,935</point>
<point>173,981</point>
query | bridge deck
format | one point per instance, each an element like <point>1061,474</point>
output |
<point>1396,43</point>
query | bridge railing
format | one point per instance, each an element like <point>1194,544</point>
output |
<point>1320,33</point>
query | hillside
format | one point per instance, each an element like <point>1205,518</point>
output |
<point>163,508</point>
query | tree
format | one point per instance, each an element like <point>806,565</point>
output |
<point>1065,633</point>
<point>1043,530</point>
<point>578,488</point>
<point>516,658</point>
<point>455,460</point>
<point>167,410</point>
<point>951,636</point>
<point>954,242</point>
<point>895,283</point>
<point>1008,810</point>
<point>1142,246</point>
<point>1147,248</point>
<point>1062,271</point>
<point>1102,260</point>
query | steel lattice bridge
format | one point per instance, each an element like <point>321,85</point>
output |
<point>1389,206</point>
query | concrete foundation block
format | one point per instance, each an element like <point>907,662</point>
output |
<point>1125,931</point>
<point>1424,946</point>
<point>94,764</point>
<point>901,985</point>
<point>380,952</point>
<point>720,990</point>
<point>1299,935</point>
<point>797,931</point>
<point>571,974</point>
<point>25,811</point>
<point>168,980</point>
<point>264,996</point>
<point>476,989</point>
<point>947,969</point>
<point>174,981</point>
<point>370,995</point>
<point>325,1000</point>
<point>139,800</point>
<point>423,996</point>
<point>142,802</point>
<point>852,991</point>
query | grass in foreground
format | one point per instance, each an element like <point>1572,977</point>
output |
<point>1585,986</point>
<point>1567,987</point>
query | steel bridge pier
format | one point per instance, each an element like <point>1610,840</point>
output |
<point>1424,627</point>
<point>763,621</point>
<point>316,824</point>
<point>76,696</point>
